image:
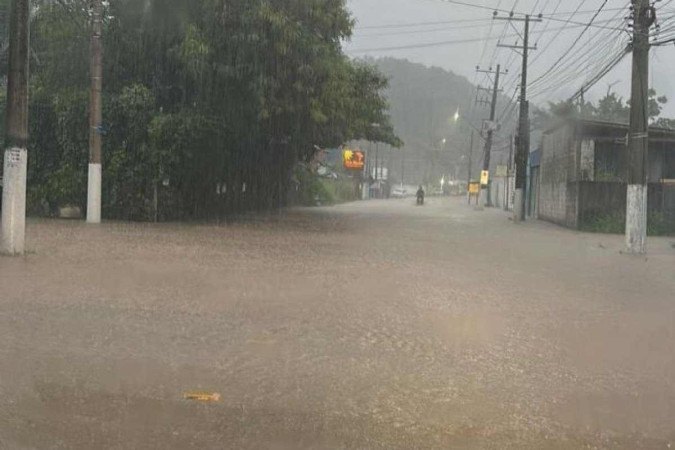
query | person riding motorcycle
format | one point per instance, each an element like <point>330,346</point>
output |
<point>420,196</point>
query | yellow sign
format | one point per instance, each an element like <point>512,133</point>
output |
<point>474,188</point>
<point>485,178</point>
<point>353,159</point>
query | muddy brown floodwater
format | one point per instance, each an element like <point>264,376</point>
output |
<point>371,325</point>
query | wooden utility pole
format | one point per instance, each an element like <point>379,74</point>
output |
<point>95,115</point>
<point>644,16</point>
<point>523,149</point>
<point>485,189</point>
<point>15,166</point>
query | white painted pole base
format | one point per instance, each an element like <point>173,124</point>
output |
<point>518,206</point>
<point>636,219</point>
<point>483,197</point>
<point>13,237</point>
<point>94,194</point>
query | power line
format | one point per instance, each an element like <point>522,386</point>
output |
<point>455,41</point>
<point>582,23</point>
<point>460,3</point>
<point>419,24</point>
<point>482,53</point>
<point>556,36</point>
<point>590,11</point>
<point>600,37</point>
<point>600,44</point>
<point>604,71</point>
<point>426,45</point>
<point>431,30</point>
<point>534,60</point>
<point>561,83</point>
<point>576,41</point>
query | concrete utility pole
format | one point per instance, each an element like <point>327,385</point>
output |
<point>468,178</point>
<point>377,163</point>
<point>402,167</point>
<point>13,238</point>
<point>95,115</point>
<point>523,149</point>
<point>644,16</point>
<point>485,190</point>
<point>508,174</point>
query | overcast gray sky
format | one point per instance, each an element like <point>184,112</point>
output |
<point>459,37</point>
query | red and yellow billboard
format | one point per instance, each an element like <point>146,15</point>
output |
<point>353,159</point>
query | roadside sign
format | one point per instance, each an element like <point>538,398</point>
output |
<point>474,188</point>
<point>502,171</point>
<point>489,125</point>
<point>353,159</point>
<point>484,177</point>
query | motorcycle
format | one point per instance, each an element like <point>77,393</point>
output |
<point>420,200</point>
<point>420,196</point>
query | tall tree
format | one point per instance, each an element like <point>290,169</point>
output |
<point>208,103</point>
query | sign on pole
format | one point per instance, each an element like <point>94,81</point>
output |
<point>353,159</point>
<point>484,178</point>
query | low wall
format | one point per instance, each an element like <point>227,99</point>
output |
<point>553,203</point>
<point>605,199</point>
<point>599,199</point>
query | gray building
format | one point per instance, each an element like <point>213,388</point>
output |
<point>582,172</point>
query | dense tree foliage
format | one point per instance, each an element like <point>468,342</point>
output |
<point>208,104</point>
<point>611,108</point>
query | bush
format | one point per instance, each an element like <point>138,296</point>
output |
<point>341,191</point>
<point>657,224</point>
<point>311,189</point>
<point>605,223</point>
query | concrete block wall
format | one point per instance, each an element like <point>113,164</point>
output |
<point>557,159</point>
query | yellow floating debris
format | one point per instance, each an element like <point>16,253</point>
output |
<point>202,396</point>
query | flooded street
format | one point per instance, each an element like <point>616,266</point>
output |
<point>368,325</point>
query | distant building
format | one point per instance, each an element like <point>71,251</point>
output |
<point>582,172</point>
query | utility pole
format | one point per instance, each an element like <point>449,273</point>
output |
<point>402,167</point>
<point>644,16</point>
<point>377,166</point>
<point>523,149</point>
<point>95,115</point>
<point>508,174</point>
<point>13,238</point>
<point>468,178</point>
<point>485,189</point>
<point>369,169</point>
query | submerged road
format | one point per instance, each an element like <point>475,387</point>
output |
<point>374,325</point>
